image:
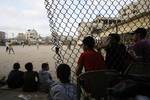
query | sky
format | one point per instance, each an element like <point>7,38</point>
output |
<point>20,15</point>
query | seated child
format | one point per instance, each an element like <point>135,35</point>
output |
<point>63,90</point>
<point>45,78</point>
<point>15,77</point>
<point>31,79</point>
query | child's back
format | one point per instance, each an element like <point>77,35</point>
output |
<point>15,77</point>
<point>30,79</point>
<point>45,78</point>
<point>63,90</point>
<point>90,59</point>
<point>66,91</point>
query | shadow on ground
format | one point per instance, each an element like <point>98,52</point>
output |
<point>18,94</point>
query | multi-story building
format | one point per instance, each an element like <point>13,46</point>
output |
<point>31,36</point>
<point>2,38</point>
<point>106,22</point>
<point>21,37</point>
<point>84,28</point>
<point>134,9</point>
<point>97,25</point>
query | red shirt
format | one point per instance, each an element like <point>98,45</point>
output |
<point>91,60</point>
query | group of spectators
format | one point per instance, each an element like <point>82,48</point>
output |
<point>31,81</point>
<point>118,57</point>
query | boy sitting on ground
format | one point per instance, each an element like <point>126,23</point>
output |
<point>15,77</point>
<point>31,79</point>
<point>45,78</point>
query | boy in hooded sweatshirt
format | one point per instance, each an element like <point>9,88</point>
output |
<point>64,89</point>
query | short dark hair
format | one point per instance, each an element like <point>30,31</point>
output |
<point>141,31</point>
<point>44,66</point>
<point>63,73</point>
<point>89,42</point>
<point>16,66</point>
<point>29,66</point>
<point>115,36</point>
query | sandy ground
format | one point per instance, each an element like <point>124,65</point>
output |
<point>19,95</point>
<point>24,55</point>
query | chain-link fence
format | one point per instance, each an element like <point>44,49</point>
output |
<point>71,20</point>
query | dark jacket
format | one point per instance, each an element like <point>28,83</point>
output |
<point>31,80</point>
<point>15,79</point>
<point>116,57</point>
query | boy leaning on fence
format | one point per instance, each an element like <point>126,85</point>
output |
<point>90,60</point>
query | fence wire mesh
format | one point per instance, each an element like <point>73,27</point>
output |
<point>71,20</point>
